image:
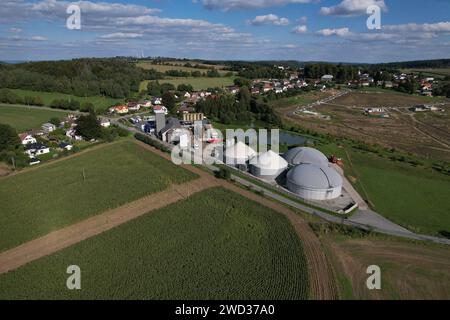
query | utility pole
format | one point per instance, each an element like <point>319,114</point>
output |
<point>13,162</point>
<point>84,175</point>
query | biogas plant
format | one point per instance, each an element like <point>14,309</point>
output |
<point>303,171</point>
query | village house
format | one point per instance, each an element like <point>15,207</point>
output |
<point>327,78</point>
<point>65,146</point>
<point>119,109</point>
<point>133,106</point>
<point>48,127</point>
<point>36,149</point>
<point>105,123</point>
<point>157,101</point>
<point>160,110</point>
<point>26,138</point>
<point>71,133</point>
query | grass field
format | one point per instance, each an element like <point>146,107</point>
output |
<point>201,83</point>
<point>413,197</point>
<point>438,72</point>
<point>100,103</point>
<point>48,198</point>
<point>164,68</point>
<point>23,119</point>
<point>215,245</point>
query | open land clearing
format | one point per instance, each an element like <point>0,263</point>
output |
<point>22,118</point>
<point>214,245</point>
<point>398,131</point>
<point>433,72</point>
<point>100,103</point>
<point>47,198</point>
<point>408,270</point>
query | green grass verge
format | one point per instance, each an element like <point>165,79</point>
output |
<point>22,118</point>
<point>214,245</point>
<point>51,197</point>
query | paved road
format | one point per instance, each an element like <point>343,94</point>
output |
<point>364,219</point>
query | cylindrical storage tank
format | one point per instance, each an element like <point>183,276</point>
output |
<point>239,154</point>
<point>304,155</point>
<point>312,182</point>
<point>268,165</point>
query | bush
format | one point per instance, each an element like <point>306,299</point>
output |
<point>223,173</point>
<point>151,142</point>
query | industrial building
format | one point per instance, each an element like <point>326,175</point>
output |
<point>304,155</point>
<point>314,182</point>
<point>268,165</point>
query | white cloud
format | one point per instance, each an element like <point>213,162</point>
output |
<point>341,32</point>
<point>352,8</point>
<point>249,4</point>
<point>15,30</point>
<point>121,35</point>
<point>439,27</point>
<point>300,29</point>
<point>39,38</point>
<point>269,19</point>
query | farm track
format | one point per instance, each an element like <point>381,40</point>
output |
<point>322,285</point>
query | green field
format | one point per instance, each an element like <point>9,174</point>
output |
<point>412,197</point>
<point>437,73</point>
<point>48,198</point>
<point>99,102</point>
<point>164,68</point>
<point>201,83</point>
<point>215,245</point>
<point>22,118</point>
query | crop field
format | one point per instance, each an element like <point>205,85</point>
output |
<point>201,83</point>
<point>22,118</point>
<point>179,67</point>
<point>409,270</point>
<point>50,197</point>
<point>100,103</point>
<point>232,248</point>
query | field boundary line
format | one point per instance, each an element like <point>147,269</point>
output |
<point>58,240</point>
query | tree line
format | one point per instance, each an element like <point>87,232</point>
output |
<point>115,78</point>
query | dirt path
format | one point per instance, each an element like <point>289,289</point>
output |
<point>61,239</point>
<point>320,273</point>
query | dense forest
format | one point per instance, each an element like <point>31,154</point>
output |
<point>227,110</point>
<point>340,72</point>
<point>421,64</point>
<point>116,78</point>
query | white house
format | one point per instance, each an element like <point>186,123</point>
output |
<point>36,149</point>
<point>48,127</point>
<point>160,110</point>
<point>27,138</point>
<point>105,123</point>
<point>71,133</point>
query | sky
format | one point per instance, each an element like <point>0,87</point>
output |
<point>303,30</point>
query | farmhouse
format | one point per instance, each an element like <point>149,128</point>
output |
<point>27,138</point>
<point>133,106</point>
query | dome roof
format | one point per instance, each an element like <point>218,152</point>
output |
<point>310,176</point>
<point>298,156</point>
<point>269,160</point>
<point>240,151</point>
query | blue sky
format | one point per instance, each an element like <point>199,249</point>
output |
<point>305,30</point>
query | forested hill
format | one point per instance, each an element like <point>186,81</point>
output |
<point>115,78</point>
<point>420,64</point>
